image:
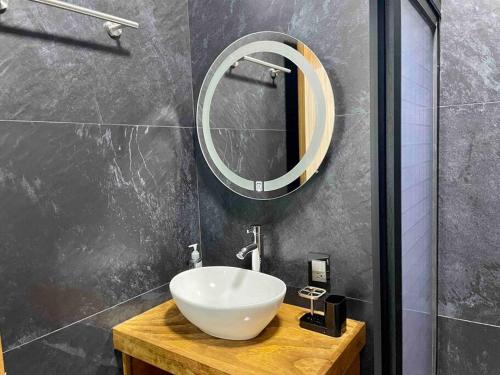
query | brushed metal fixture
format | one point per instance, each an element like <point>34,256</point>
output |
<point>114,30</point>
<point>273,71</point>
<point>312,294</point>
<point>113,25</point>
<point>255,248</point>
<point>4,4</point>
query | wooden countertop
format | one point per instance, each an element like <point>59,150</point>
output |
<point>163,338</point>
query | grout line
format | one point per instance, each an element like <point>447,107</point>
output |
<point>249,130</point>
<point>469,104</point>
<point>360,300</point>
<point>50,122</point>
<point>469,321</point>
<point>152,290</point>
<point>83,319</point>
<point>95,123</point>
<point>416,311</point>
<point>352,114</point>
<point>281,130</point>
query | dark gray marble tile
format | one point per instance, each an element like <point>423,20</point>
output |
<point>337,32</point>
<point>417,343</point>
<point>469,213</point>
<point>344,54</point>
<point>153,85</point>
<point>331,214</point>
<point>85,348</point>
<point>466,348</point>
<point>90,216</point>
<point>62,66</point>
<point>214,24</point>
<point>470,51</point>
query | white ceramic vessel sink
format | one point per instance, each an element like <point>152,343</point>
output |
<point>227,302</point>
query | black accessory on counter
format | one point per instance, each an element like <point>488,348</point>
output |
<point>332,321</point>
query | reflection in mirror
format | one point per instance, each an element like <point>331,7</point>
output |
<point>263,114</point>
<point>253,121</point>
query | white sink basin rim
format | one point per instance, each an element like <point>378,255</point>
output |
<point>228,302</point>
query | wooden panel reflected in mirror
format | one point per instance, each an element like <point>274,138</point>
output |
<point>307,111</point>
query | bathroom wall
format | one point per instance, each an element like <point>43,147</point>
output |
<point>99,182</point>
<point>332,212</point>
<point>469,193</point>
<point>98,186</point>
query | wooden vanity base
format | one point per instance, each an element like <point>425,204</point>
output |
<point>162,341</point>
<point>134,366</point>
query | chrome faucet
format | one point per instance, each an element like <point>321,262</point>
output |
<point>255,248</point>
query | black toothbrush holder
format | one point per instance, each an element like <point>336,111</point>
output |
<point>332,321</point>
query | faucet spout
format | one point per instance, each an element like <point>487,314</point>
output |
<point>246,250</point>
<point>255,248</point>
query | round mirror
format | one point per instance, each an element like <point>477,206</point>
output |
<point>265,115</point>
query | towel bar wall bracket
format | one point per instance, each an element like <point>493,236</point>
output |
<point>113,25</point>
<point>114,30</point>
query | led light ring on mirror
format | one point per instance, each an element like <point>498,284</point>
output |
<point>301,62</point>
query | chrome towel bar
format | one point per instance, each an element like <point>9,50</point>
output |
<point>265,63</point>
<point>274,69</point>
<point>113,24</point>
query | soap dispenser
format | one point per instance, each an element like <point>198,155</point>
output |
<point>195,261</point>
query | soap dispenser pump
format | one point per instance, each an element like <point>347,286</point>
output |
<point>195,261</point>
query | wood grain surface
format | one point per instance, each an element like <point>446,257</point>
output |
<point>163,338</point>
<point>2,367</point>
<point>307,111</point>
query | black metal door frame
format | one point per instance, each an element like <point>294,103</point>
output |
<point>385,111</point>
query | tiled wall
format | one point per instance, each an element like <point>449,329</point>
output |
<point>332,212</point>
<point>98,176</point>
<point>469,196</point>
<point>98,186</point>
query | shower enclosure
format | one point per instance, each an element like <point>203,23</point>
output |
<point>405,51</point>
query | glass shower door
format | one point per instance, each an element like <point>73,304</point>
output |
<point>418,250</point>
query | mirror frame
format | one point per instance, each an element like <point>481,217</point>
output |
<point>207,91</point>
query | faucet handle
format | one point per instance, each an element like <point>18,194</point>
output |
<point>254,229</point>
